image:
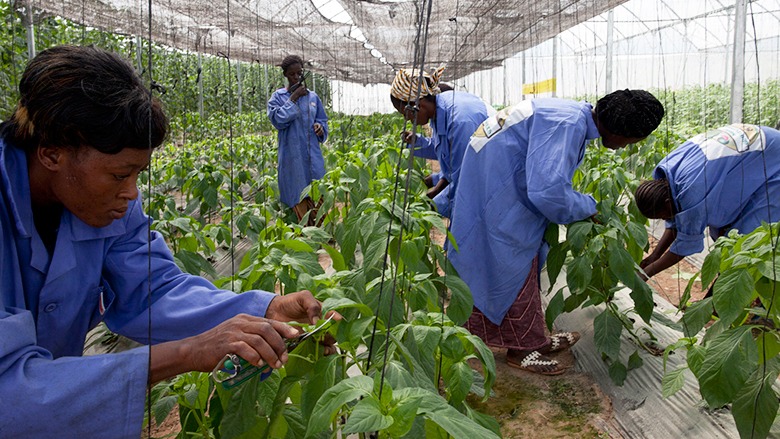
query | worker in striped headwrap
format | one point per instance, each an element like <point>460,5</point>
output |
<point>453,115</point>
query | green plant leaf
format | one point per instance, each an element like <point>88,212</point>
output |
<point>404,414</point>
<point>436,409</point>
<point>672,382</point>
<point>618,372</point>
<point>338,260</point>
<point>606,334</point>
<point>635,361</point>
<point>577,235</point>
<point>367,416</point>
<point>554,309</point>
<point>710,268</point>
<point>755,405</point>
<point>733,293</point>
<point>578,273</point>
<point>728,363</point>
<point>461,302</point>
<point>555,260</point>
<point>458,379</point>
<point>622,265</point>
<point>333,399</point>
<point>696,316</point>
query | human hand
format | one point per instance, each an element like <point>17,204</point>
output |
<point>408,137</point>
<point>298,90</point>
<point>318,129</point>
<point>256,339</point>
<point>301,307</point>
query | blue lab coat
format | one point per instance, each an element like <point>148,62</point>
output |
<point>515,179</point>
<point>300,156</point>
<point>717,181</point>
<point>458,114</point>
<point>47,305</point>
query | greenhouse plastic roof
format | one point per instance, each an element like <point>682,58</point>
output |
<point>359,41</point>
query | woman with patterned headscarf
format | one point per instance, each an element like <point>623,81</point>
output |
<point>453,115</point>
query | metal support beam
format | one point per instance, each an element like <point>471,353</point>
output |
<point>28,19</point>
<point>240,85</point>
<point>610,49</point>
<point>738,69</point>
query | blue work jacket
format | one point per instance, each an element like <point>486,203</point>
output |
<point>300,156</point>
<point>49,302</point>
<point>718,180</point>
<point>516,178</point>
<point>458,114</point>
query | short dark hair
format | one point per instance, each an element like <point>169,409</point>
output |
<point>651,196</point>
<point>629,113</point>
<point>289,61</point>
<point>79,96</point>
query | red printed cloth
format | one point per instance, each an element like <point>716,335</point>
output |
<point>523,327</point>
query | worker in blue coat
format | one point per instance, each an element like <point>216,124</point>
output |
<point>76,250</point>
<point>516,178</point>
<point>453,117</point>
<point>726,179</point>
<point>299,115</point>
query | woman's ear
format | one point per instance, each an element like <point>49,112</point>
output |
<point>49,156</point>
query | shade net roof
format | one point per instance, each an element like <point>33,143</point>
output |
<point>360,41</point>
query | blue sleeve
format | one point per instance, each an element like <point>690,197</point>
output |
<point>424,147</point>
<point>282,111</point>
<point>690,226</point>
<point>458,138</point>
<point>554,149</point>
<point>95,396</point>
<point>322,119</point>
<point>183,305</point>
<point>444,202</point>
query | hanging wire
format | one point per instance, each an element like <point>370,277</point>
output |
<point>772,238</point>
<point>149,223</point>
<point>422,21</point>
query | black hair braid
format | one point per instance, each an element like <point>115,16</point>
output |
<point>651,196</point>
<point>629,113</point>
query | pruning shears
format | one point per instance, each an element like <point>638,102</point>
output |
<point>233,370</point>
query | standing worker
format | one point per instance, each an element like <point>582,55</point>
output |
<point>515,180</point>
<point>300,117</point>
<point>453,115</point>
<point>726,179</point>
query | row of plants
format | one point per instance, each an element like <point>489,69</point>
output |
<point>403,368</point>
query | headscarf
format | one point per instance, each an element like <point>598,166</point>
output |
<point>405,84</point>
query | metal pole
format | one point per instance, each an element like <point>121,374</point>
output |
<point>738,69</point>
<point>200,85</point>
<point>138,54</point>
<point>555,66</point>
<point>238,76</point>
<point>610,42</point>
<point>522,97</point>
<point>30,30</point>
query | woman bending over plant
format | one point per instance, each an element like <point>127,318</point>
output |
<point>725,179</point>
<point>453,115</point>
<point>516,178</point>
